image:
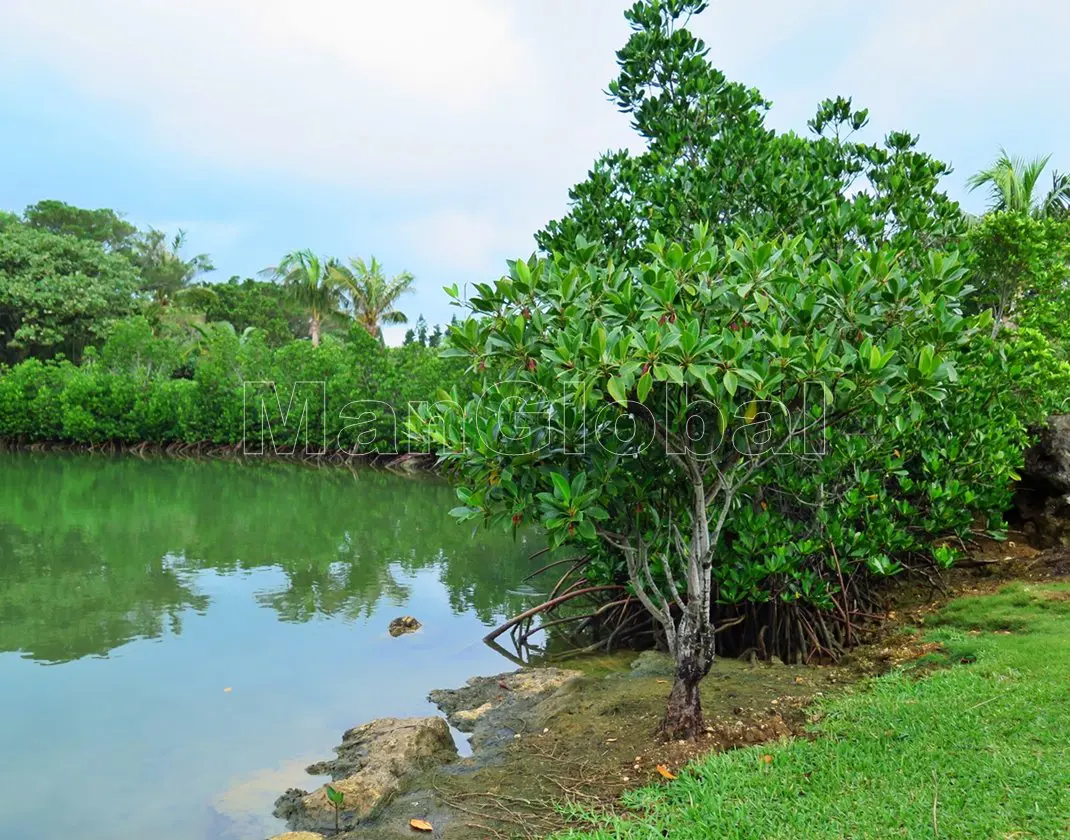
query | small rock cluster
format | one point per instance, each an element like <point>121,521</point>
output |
<point>377,762</point>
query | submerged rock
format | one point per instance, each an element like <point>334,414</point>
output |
<point>372,763</point>
<point>404,624</point>
<point>1043,494</point>
<point>495,709</point>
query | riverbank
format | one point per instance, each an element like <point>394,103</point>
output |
<point>405,462</point>
<point>577,752</point>
<point>970,741</point>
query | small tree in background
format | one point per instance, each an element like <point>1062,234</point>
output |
<point>372,296</point>
<point>165,273</point>
<point>311,282</point>
<point>1014,187</point>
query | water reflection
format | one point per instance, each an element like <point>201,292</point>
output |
<point>98,551</point>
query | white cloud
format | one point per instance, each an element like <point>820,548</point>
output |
<point>475,116</point>
<point>377,95</point>
<point>466,242</point>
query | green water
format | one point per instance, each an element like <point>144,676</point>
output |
<point>134,593</point>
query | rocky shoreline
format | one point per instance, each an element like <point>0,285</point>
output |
<point>382,768</point>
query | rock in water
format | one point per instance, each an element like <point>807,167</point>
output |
<point>403,625</point>
<point>373,761</point>
<point>1043,494</point>
<point>494,709</point>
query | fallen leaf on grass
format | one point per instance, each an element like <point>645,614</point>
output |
<point>767,759</point>
<point>665,772</point>
<point>421,825</point>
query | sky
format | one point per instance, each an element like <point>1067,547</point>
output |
<point>439,136</point>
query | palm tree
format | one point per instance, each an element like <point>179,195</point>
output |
<point>310,280</point>
<point>371,295</point>
<point>1013,184</point>
<point>164,273</point>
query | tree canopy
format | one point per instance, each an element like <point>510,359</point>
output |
<point>58,293</point>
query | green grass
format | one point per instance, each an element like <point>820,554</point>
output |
<point>977,750</point>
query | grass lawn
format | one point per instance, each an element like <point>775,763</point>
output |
<point>977,749</point>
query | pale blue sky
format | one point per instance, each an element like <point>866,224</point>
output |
<point>440,136</point>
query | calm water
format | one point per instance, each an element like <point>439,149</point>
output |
<point>134,594</point>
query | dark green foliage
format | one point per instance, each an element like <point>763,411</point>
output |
<point>1021,266</point>
<point>105,227</point>
<point>58,293</point>
<point>254,303</point>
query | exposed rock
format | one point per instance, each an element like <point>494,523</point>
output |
<point>1043,494</point>
<point>494,709</point>
<point>404,624</point>
<point>299,835</point>
<point>1047,462</point>
<point>372,763</point>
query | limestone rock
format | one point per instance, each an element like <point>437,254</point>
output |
<point>404,624</point>
<point>494,709</point>
<point>372,763</point>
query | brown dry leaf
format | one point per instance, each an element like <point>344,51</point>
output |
<point>665,772</point>
<point>421,825</point>
<point>767,759</point>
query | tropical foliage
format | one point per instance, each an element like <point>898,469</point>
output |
<point>309,280</point>
<point>224,388</point>
<point>58,293</point>
<point>372,297</point>
<point>1014,187</point>
<point>743,377</point>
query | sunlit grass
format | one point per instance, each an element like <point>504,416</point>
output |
<point>980,749</point>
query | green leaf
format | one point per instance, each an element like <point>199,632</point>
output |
<point>616,390</point>
<point>335,796</point>
<point>561,485</point>
<point>731,382</point>
<point>646,381</point>
<point>585,528</point>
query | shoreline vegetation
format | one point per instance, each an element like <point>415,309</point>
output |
<point>942,684</point>
<point>404,463</point>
